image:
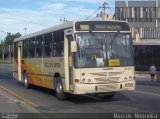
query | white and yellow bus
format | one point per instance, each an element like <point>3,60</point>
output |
<point>79,57</point>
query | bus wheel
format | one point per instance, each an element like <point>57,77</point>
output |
<point>25,81</point>
<point>59,90</point>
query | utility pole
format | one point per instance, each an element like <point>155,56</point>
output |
<point>103,13</point>
<point>10,57</point>
<point>104,6</point>
<point>3,52</point>
<point>25,31</point>
<point>3,55</point>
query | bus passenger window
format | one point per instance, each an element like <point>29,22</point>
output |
<point>58,49</point>
<point>25,48</point>
<point>58,44</point>
<point>16,50</point>
<point>39,46</point>
<point>32,44</point>
<point>47,44</point>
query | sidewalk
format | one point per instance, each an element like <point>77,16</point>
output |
<point>145,77</point>
<point>12,105</point>
<point>12,108</point>
<point>142,77</point>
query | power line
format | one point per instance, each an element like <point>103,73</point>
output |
<point>102,12</point>
<point>23,21</point>
<point>93,13</point>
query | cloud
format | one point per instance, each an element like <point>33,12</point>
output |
<point>82,1</point>
<point>49,14</point>
<point>79,12</point>
<point>56,6</point>
<point>15,20</point>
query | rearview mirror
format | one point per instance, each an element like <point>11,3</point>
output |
<point>73,46</point>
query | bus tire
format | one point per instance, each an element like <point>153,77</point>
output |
<point>60,94</point>
<point>25,81</point>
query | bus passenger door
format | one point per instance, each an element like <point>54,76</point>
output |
<point>68,66</point>
<point>19,63</point>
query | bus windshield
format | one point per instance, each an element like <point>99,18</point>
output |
<point>104,50</point>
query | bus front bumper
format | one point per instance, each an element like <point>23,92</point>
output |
<point>81,88</point>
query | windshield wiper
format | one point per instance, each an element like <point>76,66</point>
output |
<point>96,38</point>
<point>114,37</point>
<point>112,41</point>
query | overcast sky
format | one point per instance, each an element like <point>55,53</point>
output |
<point>15,15</point>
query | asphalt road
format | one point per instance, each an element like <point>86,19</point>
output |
<point>146,98</point>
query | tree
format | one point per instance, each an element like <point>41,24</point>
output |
<point>10,37</point>
<point>2,50</point>
<point>6,46</point>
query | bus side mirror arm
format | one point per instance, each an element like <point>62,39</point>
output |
<point>73,46</point>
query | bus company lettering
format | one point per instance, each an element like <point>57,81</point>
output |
<point>52,64</point>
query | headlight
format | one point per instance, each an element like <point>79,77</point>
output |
<point>89,80</point>
<point>125,78</point>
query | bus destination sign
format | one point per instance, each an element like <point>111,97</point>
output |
<point>101,26</point>
<point>109,27</point>
<point>84,27</point>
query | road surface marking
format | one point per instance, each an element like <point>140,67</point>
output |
<point>18,96</point>
<point>147,93</point>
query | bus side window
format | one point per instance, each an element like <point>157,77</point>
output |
<point>16,50</point>
<point>25,48</point>
<point>39,46</point>
<point>32,44</point>
<point>47,45</point>
<point>58,44</point>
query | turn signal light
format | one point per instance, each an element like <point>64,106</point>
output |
<point>76,80</point>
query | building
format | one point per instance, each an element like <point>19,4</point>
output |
<point>144,20</point>
<point>143,16</point>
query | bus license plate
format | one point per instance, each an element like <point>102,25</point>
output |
<point>129,85</point>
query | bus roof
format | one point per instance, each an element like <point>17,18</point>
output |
<point>55,28</point>
<point>44,31</point>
